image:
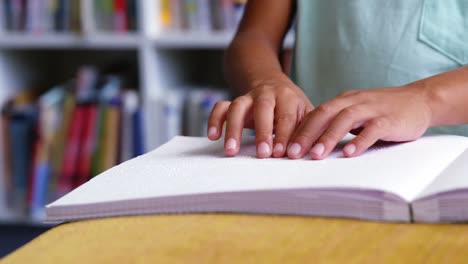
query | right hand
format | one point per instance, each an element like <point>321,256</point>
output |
<point>271,106</point>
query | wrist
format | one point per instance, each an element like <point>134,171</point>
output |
<point>433,99</point>
<point>268,79</point>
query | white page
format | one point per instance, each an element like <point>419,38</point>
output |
<point>196,165</point>
<point>455,177</point>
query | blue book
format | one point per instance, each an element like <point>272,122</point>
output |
<point>22,135</point>
<point>39,189</point>
<point>138,134</point>
<point>62,16</point>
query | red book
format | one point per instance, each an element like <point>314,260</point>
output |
<point>72,150</point>
<point>88,143</point>
<point>120,16</point>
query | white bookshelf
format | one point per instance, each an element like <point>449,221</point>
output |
<point>164,60</point>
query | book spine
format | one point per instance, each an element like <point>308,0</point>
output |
<point>3,17</point>
<point>58,145</point>
<point>177,15</point>
<point>60,16</point>
<point>138,134</point>
<point>52,10</point>
<point>74,16</point>
<point>22,127</point>
<point>17,15</point>
<point>204,15</point>
<point>33,16</point>
<point>190,10</point>
<point>105,11</point>
<point>120,19</point>
<point>7,170</point>
<point>88,145</point>
<point>132,15</point>
<point>129,107</point>
<point>96,165</point>
<point>165,14</point>
<point>228,19</point>
<point>88,19</point>
<point>111,141</point>
<point>72,150</point>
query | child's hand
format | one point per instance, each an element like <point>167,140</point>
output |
<point>273,105</point>
<point>390,114</point>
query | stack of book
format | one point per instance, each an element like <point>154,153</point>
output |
<point>201,15</point>
<point>55,142</point>
<point>117,16</point>
<point>185,111</point>
<point>45,16</point>
<point>40,16</point>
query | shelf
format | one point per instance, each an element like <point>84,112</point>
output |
<point>70,41</point>
<point>6,219</point>
<point>202,40</point>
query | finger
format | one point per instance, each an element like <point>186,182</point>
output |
<point>236,115</point>
<point>263,117</point>
<point>341,125</point>
<point>373,131</point>
<point>285,123</point>
<point>217,118</point>
<point>311,128</point>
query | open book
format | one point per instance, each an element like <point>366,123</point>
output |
<point>424,181</point>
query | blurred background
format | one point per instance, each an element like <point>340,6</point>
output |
<point>87,84</point>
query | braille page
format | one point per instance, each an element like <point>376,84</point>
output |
<point>196,165</point>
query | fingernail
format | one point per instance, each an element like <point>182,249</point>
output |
<point>279,148</point>
<point>212,132</point>
<point>318,149</point>
<point>294,149</point>
<point>263,149</point>
<point>230,144</point>
<point>350,149</point>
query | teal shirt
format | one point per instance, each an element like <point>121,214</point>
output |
<point>357,44</point>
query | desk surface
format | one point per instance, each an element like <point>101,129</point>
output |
<point>244,238</point>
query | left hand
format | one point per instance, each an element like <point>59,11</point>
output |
<point>389,114</point>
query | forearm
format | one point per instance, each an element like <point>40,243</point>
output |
<point>447,95</point>
<point>250,59</point>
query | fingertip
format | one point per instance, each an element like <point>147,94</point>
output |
<point>278,150</point>
<point>230,147</point>
<point>318,151</point>
<point>213,133</point>
<point>263,150</point>
<point>350,150</point>
<point>294,151</point>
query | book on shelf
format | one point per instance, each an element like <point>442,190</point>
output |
<point>19,119</point>
<point>182,111</point>
<point>200,15</point>
<point>421,181</point>
<point>57,141</point>
<point>40,16</point>
<point>119,16</point>
<point>89,16</point>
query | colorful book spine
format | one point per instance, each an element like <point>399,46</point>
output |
<point>110,151</point>
<point>120,18</point>
<point>88,144</point>
<point>72,150</point>
<point>59,143</point>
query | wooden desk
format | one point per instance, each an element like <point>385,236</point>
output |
<point>244,239</point>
